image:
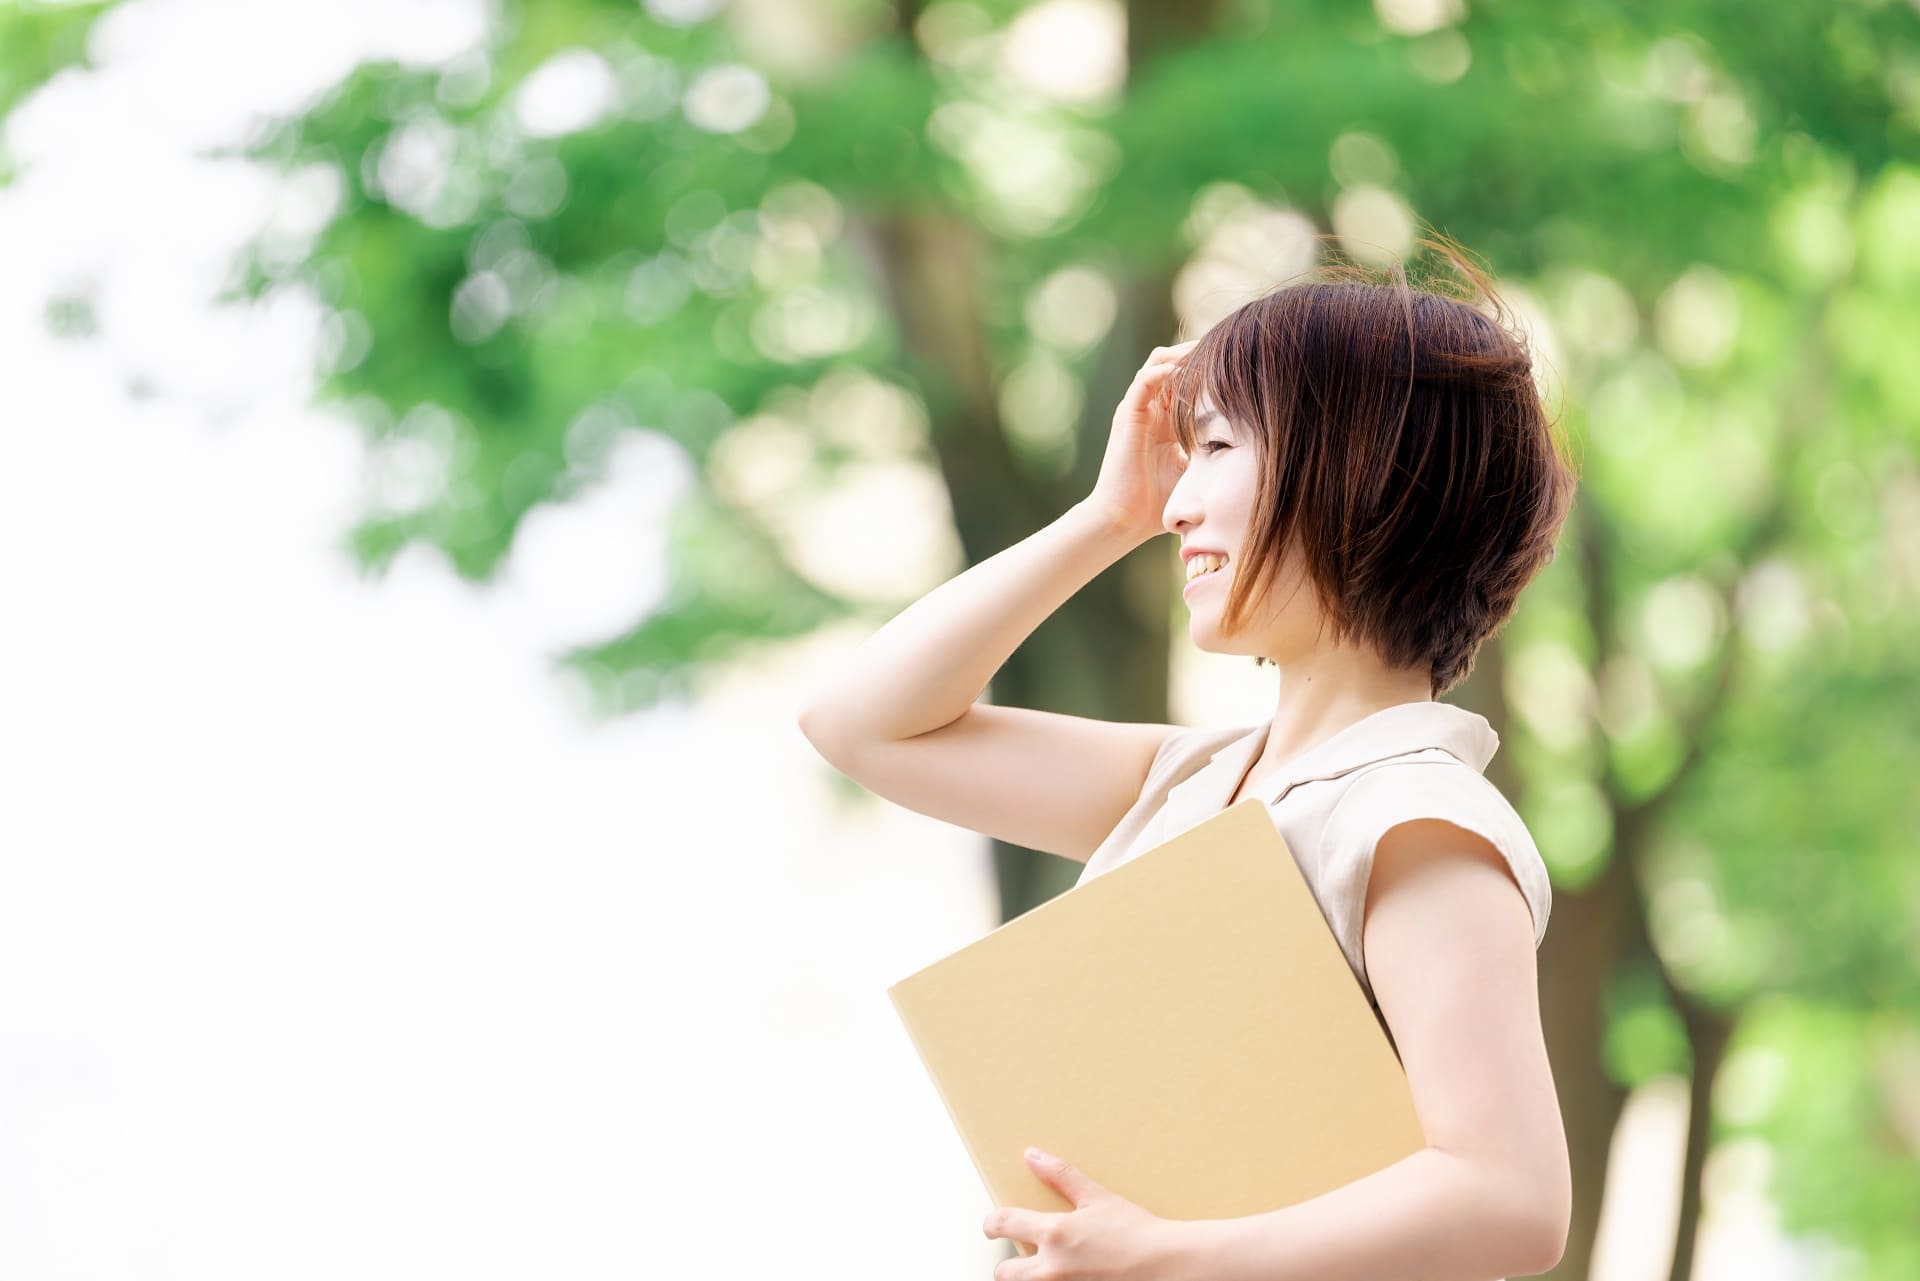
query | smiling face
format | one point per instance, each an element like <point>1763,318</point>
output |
<point>1385,444</point>
<point>1211,508</point>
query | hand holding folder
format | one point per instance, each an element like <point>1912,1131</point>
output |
<point>1183,1028</point>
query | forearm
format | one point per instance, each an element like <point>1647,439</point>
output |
<point>1432,1215</point>
<point>927,665</point>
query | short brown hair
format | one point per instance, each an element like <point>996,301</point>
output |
<point>1402,441</point>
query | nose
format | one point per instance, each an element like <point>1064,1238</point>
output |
<point>1183,505</point>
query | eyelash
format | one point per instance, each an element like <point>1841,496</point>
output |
<point>1208,446</point>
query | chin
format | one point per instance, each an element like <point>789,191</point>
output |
<point>1203,629</point>
<point>1206,638</point>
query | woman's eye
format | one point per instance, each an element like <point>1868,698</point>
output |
<point>1210,446</point>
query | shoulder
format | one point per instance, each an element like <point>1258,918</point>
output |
<point>1189,748</point>
<point>1434,785</point>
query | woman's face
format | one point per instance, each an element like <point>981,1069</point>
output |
<point>1211,509</point>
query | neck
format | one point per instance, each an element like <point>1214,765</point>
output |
<point>1327,689</point>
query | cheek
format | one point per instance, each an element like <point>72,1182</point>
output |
<point>1286,591</point>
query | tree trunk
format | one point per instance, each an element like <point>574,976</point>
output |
<point>1587,933</point>
<point>1104,654</point>
<point>1578,960</point>
<point>1707,1034</point>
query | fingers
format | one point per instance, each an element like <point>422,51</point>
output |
<point>1017,1224</point>
<point>1150,381</point>
<point>1013,1270</point>
<point>1158,379</point>
<point>1164,360</point>
<point>1159,365</point>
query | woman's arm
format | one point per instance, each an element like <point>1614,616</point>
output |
<point>929,663</point>
<point>1431,1215</point>
<point>1450,954</point>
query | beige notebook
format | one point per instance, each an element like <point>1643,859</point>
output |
<point>1183,1028</point>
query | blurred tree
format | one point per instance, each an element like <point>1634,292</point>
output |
<point>37,41</point>
<point>817,250</point>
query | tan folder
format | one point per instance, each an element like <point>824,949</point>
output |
<point>1183,1028</point>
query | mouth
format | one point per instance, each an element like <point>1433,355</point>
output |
<point>1204,565</point>
<point>1200,579</point>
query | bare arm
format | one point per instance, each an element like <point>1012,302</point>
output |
<point>1449,945</point>
<point>929,663</point>
<point>903,721</point>
<point>903,718</point>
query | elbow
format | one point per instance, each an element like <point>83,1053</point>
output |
<point>1559,1228</point>
<point>1528,1213</point>
<point>1548,1247</point>
<point>818,730</point>
<point>1550,1222</point>
<point>809,721</point>
<point>815,716</point>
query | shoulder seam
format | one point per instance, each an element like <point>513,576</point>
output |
<point>1357,776</point>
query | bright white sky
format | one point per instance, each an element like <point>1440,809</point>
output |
<point>334,940</point>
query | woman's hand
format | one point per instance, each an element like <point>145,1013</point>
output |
<point>1143,460</point>
<point>1105,1237</point>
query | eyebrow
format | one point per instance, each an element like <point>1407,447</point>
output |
<point>1205,417</point>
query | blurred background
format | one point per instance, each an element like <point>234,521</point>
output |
<point>446,443</point>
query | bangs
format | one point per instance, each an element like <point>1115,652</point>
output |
<point>1202,373</point>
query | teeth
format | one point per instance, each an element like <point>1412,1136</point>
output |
<point>1203,564</point>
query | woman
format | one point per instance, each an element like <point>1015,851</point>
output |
<point>1384,446</point>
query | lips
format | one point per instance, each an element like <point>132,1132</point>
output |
<point>1192,583</point>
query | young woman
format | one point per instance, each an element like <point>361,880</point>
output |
<point>1361,478</point>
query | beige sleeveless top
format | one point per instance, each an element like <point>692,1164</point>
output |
<point>1335,801</point>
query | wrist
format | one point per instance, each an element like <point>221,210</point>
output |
<point>1178,1250</point>
<point>1109,527</point>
